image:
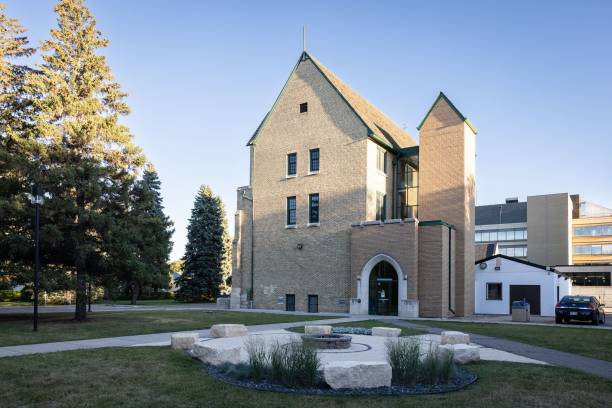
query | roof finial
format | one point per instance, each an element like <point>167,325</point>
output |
<point>304,38</point>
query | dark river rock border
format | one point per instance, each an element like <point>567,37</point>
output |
<point>461,380</point>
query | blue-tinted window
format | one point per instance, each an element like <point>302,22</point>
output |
<point>291,211</point>
<point>292,164</point>
<point>314,160</point>
<point>313,208</point>
<point>593,230</point>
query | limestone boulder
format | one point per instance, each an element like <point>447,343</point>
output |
<point>184,341</point>
<point>228,330</point>
<point>462,353</point>
<point>454,337</point>
<point>386,331</point>
<point>357,374</point>
<point>216,353</point>
<point>318,330</point>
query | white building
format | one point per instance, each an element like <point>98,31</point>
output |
<point>499,280</point>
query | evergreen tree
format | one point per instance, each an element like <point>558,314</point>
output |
<point>207,254</point>
<point>89,158</point>
<point>152,231</point>
<point>16,149</point>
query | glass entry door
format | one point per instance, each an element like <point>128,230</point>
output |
<point>383,290</point>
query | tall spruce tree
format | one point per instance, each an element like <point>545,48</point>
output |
<point>152,231</point>
<point>16,149</point>
<point>207,254</point>
<point>90,157</point>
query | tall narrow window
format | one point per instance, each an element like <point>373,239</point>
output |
<point>291,211</point>
<point>304,107</point>
<point>292,164</point>
<point>313,209</point>
<point>314,160</point>
<point>381,206</point>
<point>381,160</point>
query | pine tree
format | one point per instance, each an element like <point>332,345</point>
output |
<point>16,148</point>
<point>89,157</point>
<point>207,254</point>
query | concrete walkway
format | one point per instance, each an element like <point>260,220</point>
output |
<point>559,358</point>
<point>128,341</point>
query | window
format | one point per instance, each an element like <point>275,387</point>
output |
<point>381,159</point>
<point>304,107</point>
<point>593,231</point>
<point>494,291</point>
<point>291,211</point>
<point>381,206</point>
<point>313,209</point>
<point>292,164</point>
<point>589,278</point>
<point>598,249</point>
<point>313,303</point>
<point>314,160</point>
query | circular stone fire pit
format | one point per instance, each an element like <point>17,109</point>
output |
<point>327,341</point>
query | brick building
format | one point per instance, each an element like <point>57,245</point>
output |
<point>345,212</point>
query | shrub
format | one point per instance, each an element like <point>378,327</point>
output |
<point>10,296</point>
<point>258,357</point>
<point>302,365</point>
<point>403,356</point>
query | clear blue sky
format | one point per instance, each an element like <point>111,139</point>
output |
<point>535,78</point>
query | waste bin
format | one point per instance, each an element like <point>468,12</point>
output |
<point>520,311</point>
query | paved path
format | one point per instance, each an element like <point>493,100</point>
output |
<point>559,358</point>
<point>127,341</point>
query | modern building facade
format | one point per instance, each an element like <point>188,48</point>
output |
<point>557,230</point>
<point>344,212</point>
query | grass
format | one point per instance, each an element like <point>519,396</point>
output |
<point>161,377</point>
<point>368,324</point>
<point>13,304</point>
<point>156,302</point>
<point>17,328</point>
<point>589,342</point>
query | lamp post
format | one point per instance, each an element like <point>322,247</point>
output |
<point>37,199</point>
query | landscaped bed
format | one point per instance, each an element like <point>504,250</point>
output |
<point>162,377</point>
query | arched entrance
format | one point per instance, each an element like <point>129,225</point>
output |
<point>383,269</point>
<point>383,290</point>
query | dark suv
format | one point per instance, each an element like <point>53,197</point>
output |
<point>585,308</point>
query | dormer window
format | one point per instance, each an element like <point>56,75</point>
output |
<point>304,107</point>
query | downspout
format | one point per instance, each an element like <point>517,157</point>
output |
<point>394,190</point>
<point>450,268</point>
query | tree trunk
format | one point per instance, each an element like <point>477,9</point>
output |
<point>80,313</point>
<point>135,291</point>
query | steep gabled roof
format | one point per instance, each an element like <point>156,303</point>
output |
<point>453,107</point>
<point>380,128</point>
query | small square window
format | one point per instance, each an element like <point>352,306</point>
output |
<point>494,291</point>
<point>304,107</point>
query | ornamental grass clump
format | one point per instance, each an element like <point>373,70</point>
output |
<point>403,357</point>
<point>301,365</point>
<point>258,357</point>
<point>410,367</point>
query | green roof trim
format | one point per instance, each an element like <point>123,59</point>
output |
<point>408,151</point>
<point>430,223</point>
<point>304,56</point>
<point>453,107</point>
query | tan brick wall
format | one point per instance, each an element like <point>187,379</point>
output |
<point>434,270</point>
<point>322,266</point>
<point>399,241</point>
<point>447,189</point>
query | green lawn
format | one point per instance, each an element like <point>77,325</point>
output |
<point>17,328</point>
<point>161,377</point>
<point>368,324</point>
<point>156,302</point>
<point>11,304</point>
<point>585,341</point>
